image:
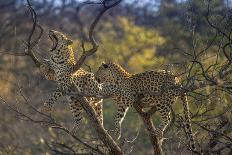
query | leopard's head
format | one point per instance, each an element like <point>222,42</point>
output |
<point>104,73</point>
<point>61,50</point>
<point>111,72</point>
<point>59,40</point>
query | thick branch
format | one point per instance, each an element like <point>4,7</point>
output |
<point>102,134</point>
<point>147,121</point>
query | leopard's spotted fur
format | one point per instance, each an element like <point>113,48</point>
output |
<point>163,83</point>
<point>59,68</point>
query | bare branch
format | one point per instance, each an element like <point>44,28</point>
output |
<point>103,135</point>
<point>94,48</point>
<point>29,43</point>
<point>59,127</point>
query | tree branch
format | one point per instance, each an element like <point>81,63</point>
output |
<point>94,48</point>
<point>147,121</point>
<point>102,134</point>
<point>30,44</point>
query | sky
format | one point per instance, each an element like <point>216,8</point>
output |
<point>152,3</point>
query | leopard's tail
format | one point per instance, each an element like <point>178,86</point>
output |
<point>187,123</point>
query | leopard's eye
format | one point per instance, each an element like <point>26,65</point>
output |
<point>105,65</point>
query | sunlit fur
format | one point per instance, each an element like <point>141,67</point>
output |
<point>64,47</point>
<point>162,82</point>
<point>61,61</point>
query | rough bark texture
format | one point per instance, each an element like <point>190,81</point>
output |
<point>102,133</point>
<point>148,124</point>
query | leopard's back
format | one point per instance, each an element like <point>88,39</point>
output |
<point>153,81</point>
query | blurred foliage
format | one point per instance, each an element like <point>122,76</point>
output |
<point>128,44</point>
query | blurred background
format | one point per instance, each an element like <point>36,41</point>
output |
<point>140,35</point>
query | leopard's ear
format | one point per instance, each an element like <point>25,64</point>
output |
<point>104,65</point>
<point>69,42</point>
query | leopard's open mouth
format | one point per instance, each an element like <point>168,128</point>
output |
<point>54,40</point>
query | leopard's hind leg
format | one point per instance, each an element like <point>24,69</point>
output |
<point>164,108</point>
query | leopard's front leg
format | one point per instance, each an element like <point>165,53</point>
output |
<point>124,102</point>
<point>89,86</point>
<point>77,112</point>
<point>121,113</point>
<point>49,104</point>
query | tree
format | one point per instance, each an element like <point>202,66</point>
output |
<point>205,70</point>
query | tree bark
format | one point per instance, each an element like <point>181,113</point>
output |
<point>102,133</point>
<point>147,121</point>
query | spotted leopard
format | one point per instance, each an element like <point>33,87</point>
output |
<point>59,68</point>
<point>159,82</point>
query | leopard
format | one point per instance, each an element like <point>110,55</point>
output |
<point>165,88</point>
<point>75,107</point>
<point>59,68</point>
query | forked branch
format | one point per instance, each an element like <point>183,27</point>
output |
<point>101,132</point>
<point>31,44</point>
<point>148,124</point>
<point>94,48</point>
